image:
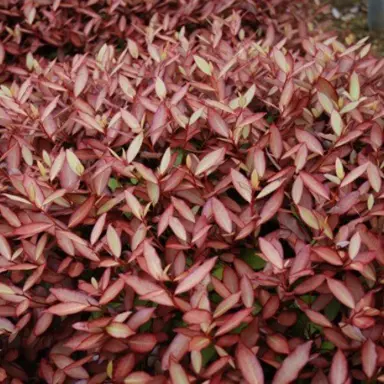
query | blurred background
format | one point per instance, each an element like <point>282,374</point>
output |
<point>356,19</point>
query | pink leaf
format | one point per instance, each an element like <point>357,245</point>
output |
<point>369,358</point>
<point>293,364</point>
<point>249,365</point>
<point>153,261</point>
<point>354,174</point>
<point>271,253</point>
<point>211,159</point>
<point>64,309</point>
<point>81,80</point>
<point>313,185</point>
<point>339,368</point>
<point>242,185</point>
<point>196,276</point>
<point>217,123</point>
<point>234,321</point>
<point>221,215</point>
<point>82,212</point>
<point>341,292</point>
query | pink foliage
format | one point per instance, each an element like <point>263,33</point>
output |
<point>190,192</point>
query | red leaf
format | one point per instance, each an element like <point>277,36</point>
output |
<point>313,185</point>
<point>249,365</point>
<point>341,292</point>
<point>369,358</point>
<point>196,276</point>
<point>217,123</point>
<point>64,309</point>
<point>82,212</point>
<point>221,215</point>
<point>271,253</point>
<point>234,321</point>
<point>242,185</point>
<point>339,368</point>
<point>293,364</point>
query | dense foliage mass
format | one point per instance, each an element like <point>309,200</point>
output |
<point>190,192</point>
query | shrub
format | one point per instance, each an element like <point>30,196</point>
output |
<point>190,192</point>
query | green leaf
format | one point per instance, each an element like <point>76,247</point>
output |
<point>215,298</point>
<point>239,328</point>
<point>146,327</point>
<point>327,346</point>
<point>308,299</point>
<point>218,271</point>
<point>332,309</point>
<point>252,259</point>
<point>179,158</point>
<point>113,184</point>
<point>256,309</point>
<point>208,354</point>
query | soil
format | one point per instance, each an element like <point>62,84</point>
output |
<point>349,18</point>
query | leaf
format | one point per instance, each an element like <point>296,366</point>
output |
<point>339,368</point>
<point>354,245</point>
<point>337,123</point>
<point>6,290</point>
<point>30,230</point>
<point>312,184</point>
<point>221,215</point>
<point>161,90</point>
<point>328,255</point>
<point>133,49</point>
<point>81,80</point>
<point>196,276</point>
<point>74,163</point>
<point>130,120</point>
<point>308,217</point>
<point>178,228</point>
<point>354,174</point>
<point>270,253</point>
<point>234,321</point>
<point>227,304</point>
<point>310,141</point>
<point>242,185</point>
<point>217,123</point>
<point>57,165</point>
<point>293,364</point>
<point>111,292</point>
<point>65,309</point>
<point>177,373</point>
<point>183,209</point>
<point>275,142</point>
<point>318,318</point>
<point>49,108</point>
<point>82,212</point>
<point>374,177</point>
<point>153,261</point>
<point>114,242</point>
<point>369,358</point>
<point>341,292</point>
<point>354,86</point>
<point>211,159</point>
<point>272,206</point>
<point>271,187</point>
<point>119,330</point>
<point>5,249</point>
<point>203,65</point>
<point>249,365</point>
<point>326,102</point>
<point>158,123</point>
<point>134,205</point>
<point>98,228</point>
